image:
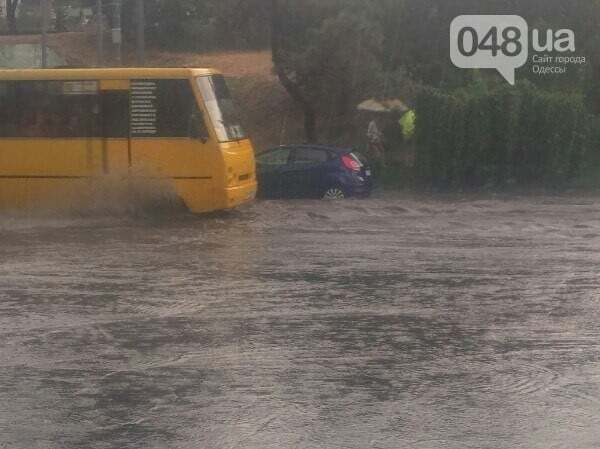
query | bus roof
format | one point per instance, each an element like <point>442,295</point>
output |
<point>103,74</point>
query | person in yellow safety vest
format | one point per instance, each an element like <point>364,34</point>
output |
<point>404,137</point>
<point>408,124</point>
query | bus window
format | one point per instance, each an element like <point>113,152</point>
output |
<point>46,109</point>
<point>221,108</point>
<point>7,109</point>
<point>164,108</point>
<point>175,105</point>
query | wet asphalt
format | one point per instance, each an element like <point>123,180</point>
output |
<point>396,322</point>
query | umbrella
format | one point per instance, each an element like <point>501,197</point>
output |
<point>383,106</point>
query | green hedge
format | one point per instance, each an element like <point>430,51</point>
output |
<point>512,136</point>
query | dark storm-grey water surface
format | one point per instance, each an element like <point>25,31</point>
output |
<point>389,323</point>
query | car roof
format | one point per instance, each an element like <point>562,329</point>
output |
<point>330,148</point>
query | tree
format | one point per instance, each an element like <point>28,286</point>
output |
<point>330,53</point>
<point>11,15</point>
<point>327,55</point>
<point>60,10</point>
<point>286,74</point>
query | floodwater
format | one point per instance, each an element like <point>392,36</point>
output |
<point>396,322</point>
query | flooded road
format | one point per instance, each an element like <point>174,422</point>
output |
<point>392,323</point>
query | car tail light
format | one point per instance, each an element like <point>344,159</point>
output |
<point>350,163</point>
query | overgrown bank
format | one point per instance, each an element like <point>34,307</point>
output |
<point>507,137</point>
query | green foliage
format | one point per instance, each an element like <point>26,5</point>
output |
<point>341,51</point>
<point>333,58</point>
<point>524,137</point>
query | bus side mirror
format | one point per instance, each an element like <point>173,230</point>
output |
<point>196,128</point>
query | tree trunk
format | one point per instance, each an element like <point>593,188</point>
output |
<point>310,124</point>
<point>60,10</point>
<point>291,86</point>
<point>11,15</point>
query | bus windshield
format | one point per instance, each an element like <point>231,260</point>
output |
<point>221,108</point>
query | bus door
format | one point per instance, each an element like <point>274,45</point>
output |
<point>169,140</point>
<point>114,123</point>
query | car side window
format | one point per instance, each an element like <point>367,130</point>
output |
<point>310,156</point>
<point>274,159</point>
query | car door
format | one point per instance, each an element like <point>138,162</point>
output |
<point>271,167</point>
<point>305,175</point>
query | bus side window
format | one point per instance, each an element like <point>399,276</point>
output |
<point>165,108</point>
<point>178,111</point>
<point>8,109</point>
<point>47,109</point>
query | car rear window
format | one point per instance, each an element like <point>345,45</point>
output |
<point>310,156</point>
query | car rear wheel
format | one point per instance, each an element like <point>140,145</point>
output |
<point>334,194</point>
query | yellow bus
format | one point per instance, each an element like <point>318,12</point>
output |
<point>65,131</point>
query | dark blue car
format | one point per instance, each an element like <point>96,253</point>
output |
<point>312,171</point>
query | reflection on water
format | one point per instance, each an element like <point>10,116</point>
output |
<point>389,323</point>
<point>25,56</point>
